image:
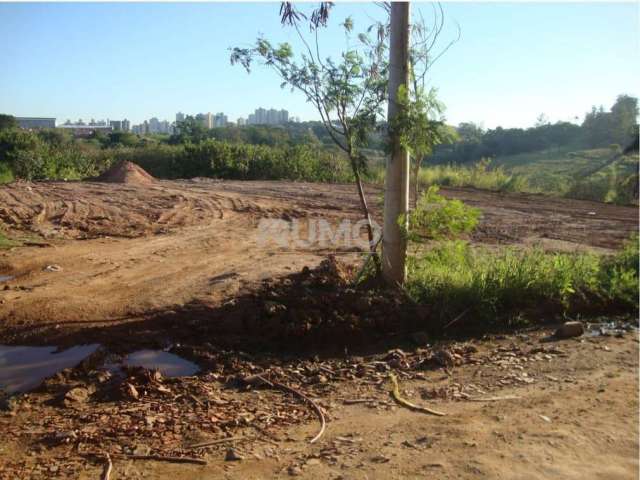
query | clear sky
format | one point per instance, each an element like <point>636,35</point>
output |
<point>135,60</point>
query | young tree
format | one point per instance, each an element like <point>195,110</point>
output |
<point>421,128</point>
<point>348,92</point>
<point>422,124</point>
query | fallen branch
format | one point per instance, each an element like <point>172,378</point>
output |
<point>464,312</point>
<point>106,472</point>
<point>493,399</point>
<point>355,401</point>
<point>214,442</point>
<point>395,392</point>
<point>301,395</point>
<point>160,458</point>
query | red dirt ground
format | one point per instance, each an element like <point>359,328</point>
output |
<point>148,265</point>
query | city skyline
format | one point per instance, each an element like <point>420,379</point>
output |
<point>564,67</point>
<point>217,119</point>
<point>152,125</point>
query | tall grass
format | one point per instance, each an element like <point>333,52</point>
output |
<point>6,175</point>
<point>479,175</point>
<point>557,172</point>
<point>498,288</point>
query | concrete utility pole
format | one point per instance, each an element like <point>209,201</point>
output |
<point>396,189</point>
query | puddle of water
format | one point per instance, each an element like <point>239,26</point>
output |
<point>168,364</point>
<point>6,278</point>
<point>24,368</point>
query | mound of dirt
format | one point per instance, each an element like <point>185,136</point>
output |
<point>126,172</point>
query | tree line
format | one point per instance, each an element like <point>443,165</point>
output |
<point>600,128</point>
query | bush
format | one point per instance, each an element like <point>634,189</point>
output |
<point>437,217</point>
<point>261,162</point>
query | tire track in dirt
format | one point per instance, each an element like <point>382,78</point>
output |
<point>156,247</point>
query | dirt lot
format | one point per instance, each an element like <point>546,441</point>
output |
<point>165,265</point>
<point>146,248</point>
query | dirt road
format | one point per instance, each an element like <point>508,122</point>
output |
<point>119,251</point>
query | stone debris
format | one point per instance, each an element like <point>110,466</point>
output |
<point>569,330</point>
<point>232,455</point>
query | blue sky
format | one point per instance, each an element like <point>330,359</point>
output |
<point>135,60</point>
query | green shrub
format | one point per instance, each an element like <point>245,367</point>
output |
<point>619,275</point>
<point>438,217</point>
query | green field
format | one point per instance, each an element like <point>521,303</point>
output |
<point>575,173</point>
<point>562,172</point>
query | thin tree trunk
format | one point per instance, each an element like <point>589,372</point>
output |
<point>365,211</point>
<point>396,197</point>
<point>416,182</point>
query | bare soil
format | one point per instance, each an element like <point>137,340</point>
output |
<point>151,247</point>
<point>126,172</point>
<point>515,408</point>
<point>175,264</point>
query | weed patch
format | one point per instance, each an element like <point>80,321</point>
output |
<point>507,287</point>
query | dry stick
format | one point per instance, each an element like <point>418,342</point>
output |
<point>301,395</point>
<point>214,442</point>
<point>106,472</point>
<point>493,399</point>
<point>353,401</point>
<point>405,403</point>
<point>366,263</point>
<point>456,319</point>
<point>161,458</point>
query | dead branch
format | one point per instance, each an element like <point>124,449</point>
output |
<point>301,395</point>
<point>161,458</point>
<point>395,392</point>
<point>355,401</point>
<point>107,468</point>
<point>464,312</point>
<point>214,442</point>
<point>493,399</point>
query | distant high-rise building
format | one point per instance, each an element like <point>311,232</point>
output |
<point>180,117</point>
<point>126,125</point>
<point>268,117</point>
<point>116,125</point>
<point>241,122</point>
<point>220,120</point>
<point>154,125</point>
<point>36,122</point>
